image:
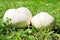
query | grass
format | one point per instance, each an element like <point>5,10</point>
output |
<point>11,33</point>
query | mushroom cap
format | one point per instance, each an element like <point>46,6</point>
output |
<point>19,19</point>
<point>42,19</point>
<point>26,11</point>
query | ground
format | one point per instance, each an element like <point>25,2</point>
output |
<point>11,33</point>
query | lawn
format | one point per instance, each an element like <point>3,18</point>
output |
<point>11,33</point>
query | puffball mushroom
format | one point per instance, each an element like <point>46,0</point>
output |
<point>26,11</point>
<point>18,18</point>
<point>43,19</point>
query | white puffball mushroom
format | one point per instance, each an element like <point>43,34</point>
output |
<point>18,19</point>
<point>43,19</point>
<point>26,11</point>
<point>10,14</point>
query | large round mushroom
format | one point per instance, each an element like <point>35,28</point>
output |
<point>19,18</point>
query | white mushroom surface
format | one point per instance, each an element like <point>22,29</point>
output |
<point>43,19</point>
<point>19,17</point>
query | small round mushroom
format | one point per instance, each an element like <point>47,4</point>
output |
<point>43,19</point>
<point>26,11</point>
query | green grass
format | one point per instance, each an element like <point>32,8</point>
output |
<point>11,33</point>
